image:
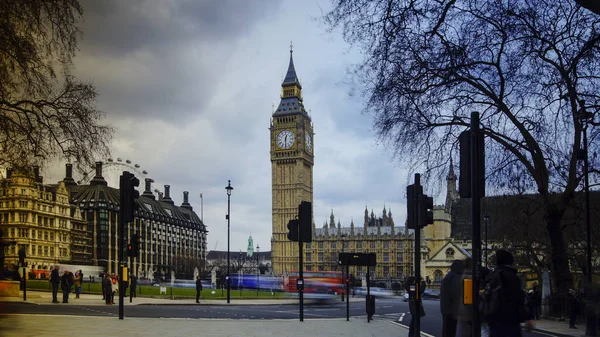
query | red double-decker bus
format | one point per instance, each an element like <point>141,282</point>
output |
<point>324,282</point>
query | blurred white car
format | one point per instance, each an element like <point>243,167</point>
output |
<point>405,297</point>
<point>374,291</point>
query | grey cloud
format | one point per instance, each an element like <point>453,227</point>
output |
<point>162,59</point>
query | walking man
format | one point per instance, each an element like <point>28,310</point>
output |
<point>54,280</point>
<point>450,298</point>
<point>133,286</point>
<point>66,284</point>
<point>573,307</point>
<point>509,309</point>
<point>198,288</point>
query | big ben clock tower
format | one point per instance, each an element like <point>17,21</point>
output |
<point>292,161</point>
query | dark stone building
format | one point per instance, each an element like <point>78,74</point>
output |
<point>170,235</point>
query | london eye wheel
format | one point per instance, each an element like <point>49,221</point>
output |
<point>112,169</point>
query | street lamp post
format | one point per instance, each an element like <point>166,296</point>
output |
<point>486,219</point>
<point>257,270</point>
<point>343,278</point>
<point>228,279</point>
<point>585,119</point>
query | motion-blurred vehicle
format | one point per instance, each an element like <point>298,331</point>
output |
<point>430,294</point>
<point>374,291</point>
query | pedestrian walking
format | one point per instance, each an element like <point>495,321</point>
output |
<point>198,288</point>
<point>573,307</point>
<point>450,299</point>
<point>66,283</point>
<point>78,281</point>
<point>133,286</point>
<point>537,298</point>
<point>107,288</point>
<point>504,299</point>
<point>55,281</point>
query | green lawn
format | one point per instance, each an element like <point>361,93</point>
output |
<point>147,290</point>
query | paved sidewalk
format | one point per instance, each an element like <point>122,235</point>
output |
<point>559,328</point>
<point>50,325</point>
<point>45,298</point>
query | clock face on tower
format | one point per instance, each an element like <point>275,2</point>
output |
<point>285,139</point>
<point>308,142</point>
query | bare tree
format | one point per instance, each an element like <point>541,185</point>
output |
<point>44,111</point>
<point>529,67</point>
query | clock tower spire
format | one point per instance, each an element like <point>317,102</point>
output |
<point>292,161</point>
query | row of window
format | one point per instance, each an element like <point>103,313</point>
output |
<point>359,244</point>
<point>36,234</point>
<point>40,251</point>
<point>41,195</point>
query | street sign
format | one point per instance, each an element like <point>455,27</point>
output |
<point>357,259</point>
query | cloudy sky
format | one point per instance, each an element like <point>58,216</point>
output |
<point>189,87</point>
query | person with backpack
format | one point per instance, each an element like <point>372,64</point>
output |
<point>450,299</point>
<point>502,301</point>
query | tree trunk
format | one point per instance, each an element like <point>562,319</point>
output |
<point>560,263</point>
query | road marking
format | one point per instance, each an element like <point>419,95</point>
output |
<point>401,317</point>
<point>406,327</point>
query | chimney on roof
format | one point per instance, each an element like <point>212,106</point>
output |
<point>36,174</point>
<point>185,203</point>
<point>98,179</point>
<point>167,197</point>
<point>69,181</point>
<point>8,173</point>
<point>160,196</point>
<point>148,189</point>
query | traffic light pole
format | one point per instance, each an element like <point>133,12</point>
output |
<point>130,268</point>
<point>301,278</point>
<point>124,195</point>
<point>476,180</point>
<point>417,198</point>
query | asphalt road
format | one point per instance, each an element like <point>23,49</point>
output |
<point>391,309</point>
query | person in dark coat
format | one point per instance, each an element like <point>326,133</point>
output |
<point>508,322</point>
<point>450,298</point>
<point>133,286</point>
<point>573,306</point>
<point>107,288</point>
<point>54,280</point>
<point>198,288</point>
<point>66,283</point>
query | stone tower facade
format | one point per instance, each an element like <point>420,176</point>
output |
<point>292,160</point>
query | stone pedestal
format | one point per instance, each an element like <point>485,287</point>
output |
<point>9,288</point>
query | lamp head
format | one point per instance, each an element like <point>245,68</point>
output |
<point>229,188</point>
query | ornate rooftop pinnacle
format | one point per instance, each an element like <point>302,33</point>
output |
<point>290,77</point>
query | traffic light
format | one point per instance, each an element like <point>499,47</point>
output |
<point>127,195</point>
<point>22,256</point>
<point>413,193</point>
<point>425,210</point>
<point>135,244</point>
<point>130,250</point>
<point>305,218</point>
<point>464,179</point>
<point>293,230</point>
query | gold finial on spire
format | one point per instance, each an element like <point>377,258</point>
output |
<point>291,47</point>
<point>273,107</point>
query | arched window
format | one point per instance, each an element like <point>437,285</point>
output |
<point>438,276</point>
<point>449,253</point>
